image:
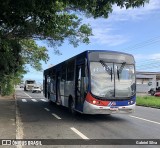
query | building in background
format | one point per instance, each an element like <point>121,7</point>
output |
<point>147,81</point>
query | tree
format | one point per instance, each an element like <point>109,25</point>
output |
<point>24,21</point>
<point>54,20</point>
<point>14,56</point>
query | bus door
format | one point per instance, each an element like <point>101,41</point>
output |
<point>53,88</point>
<point>58,96</point>
<point>80,86</point>
<point>45,86</point>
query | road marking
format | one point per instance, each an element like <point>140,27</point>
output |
<point>47,109</point>
<point>19,126</point>
<point>24,100</point>
<point>44,100</point>
<point>145,119</point>
<point>79,133</point>
<point>56,116</point>
<point>27,95</point>
<point>34,100</point>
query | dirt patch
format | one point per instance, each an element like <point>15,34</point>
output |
<point>142,94</point>
<point>11,97</point>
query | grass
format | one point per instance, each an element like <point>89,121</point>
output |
<point>148,101</point>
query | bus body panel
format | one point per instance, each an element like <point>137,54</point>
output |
<point>68,91</point>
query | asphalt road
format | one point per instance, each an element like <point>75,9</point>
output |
<point>36,118</point>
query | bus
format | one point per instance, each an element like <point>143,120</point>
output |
<point>93,82</point>
<point>29,85</point>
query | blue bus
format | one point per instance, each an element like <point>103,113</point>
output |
<point>93,82</point>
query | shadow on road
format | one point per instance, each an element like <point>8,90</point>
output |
<point>64,112</point>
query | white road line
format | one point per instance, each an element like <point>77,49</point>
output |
<point>34,100</point>
<point>47,109</point>
<point>19,126</point>
<point>145,120</point>
<point>56,116</point>
<point>24,100</point>
<point>44,100</point>
<point>79,133</point>
<point>27,95</point>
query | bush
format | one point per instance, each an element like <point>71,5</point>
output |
<point>7,87</point>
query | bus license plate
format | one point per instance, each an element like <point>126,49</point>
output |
<point>114,109</point>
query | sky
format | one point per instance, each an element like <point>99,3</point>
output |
<point>135,31</point>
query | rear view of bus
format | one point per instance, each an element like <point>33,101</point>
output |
<point>112,84</point>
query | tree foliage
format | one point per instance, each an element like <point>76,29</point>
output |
<point>24,21</point>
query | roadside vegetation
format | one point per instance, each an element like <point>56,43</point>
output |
<point>23,23</point>
<point>148,101</point>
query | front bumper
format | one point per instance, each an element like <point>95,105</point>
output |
<point>89,108</point>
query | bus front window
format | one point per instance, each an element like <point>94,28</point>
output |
<point>124,80</point>
<point>102,84</point>
<point>111,80</point>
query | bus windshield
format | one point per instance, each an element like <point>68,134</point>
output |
<point>118,83</point>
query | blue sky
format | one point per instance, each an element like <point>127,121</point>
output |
<point>135,31</point>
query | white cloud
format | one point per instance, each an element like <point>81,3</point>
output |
<point>140,57</point>
<point>105,36</point>
<point>104,33</point>
<point>104,30</point>
<point>150,62</point>
<point>144,57</point>
<point>119,14</point>
<point>155,56</point>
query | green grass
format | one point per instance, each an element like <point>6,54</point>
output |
<point>148,101</point>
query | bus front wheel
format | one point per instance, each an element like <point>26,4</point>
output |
<point>152,92</point>
<point>49,98</point>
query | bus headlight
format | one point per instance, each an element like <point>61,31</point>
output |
<point>94,102</point>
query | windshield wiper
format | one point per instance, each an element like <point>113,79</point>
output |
<point>119,71</point>
<point>107,68</point>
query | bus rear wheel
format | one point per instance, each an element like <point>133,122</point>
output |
<point>72,107</point>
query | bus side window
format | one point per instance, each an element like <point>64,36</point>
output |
<point>53,84</point>
<point>70,71</point>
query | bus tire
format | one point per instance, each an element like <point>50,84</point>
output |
<point>152,92</point>
<point>72,106</point>
<point>49,99</point>
<point>25,88</point>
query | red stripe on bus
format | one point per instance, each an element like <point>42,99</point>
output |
<point>92,100</point>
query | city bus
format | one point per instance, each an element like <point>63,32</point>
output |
<point>93,82</point>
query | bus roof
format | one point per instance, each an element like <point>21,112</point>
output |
<point>86,52</point>
<point>108,51</point>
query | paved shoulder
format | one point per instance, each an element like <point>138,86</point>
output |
<point>7,118</point>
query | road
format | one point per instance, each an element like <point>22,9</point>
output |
<point>36,118</point>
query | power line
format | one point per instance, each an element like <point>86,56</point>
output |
<point>148,63</point>
<point>143,44</point>
<point>150,60</point>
